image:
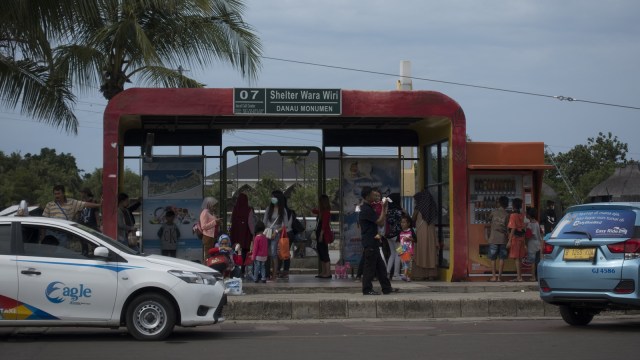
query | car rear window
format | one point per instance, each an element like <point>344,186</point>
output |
<point>597,223</point>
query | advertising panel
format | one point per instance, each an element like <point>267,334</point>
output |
<point>380,173</point>
<point>172,183</point>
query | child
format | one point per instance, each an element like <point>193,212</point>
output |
<point>169,235</point>
<point>224,248</point>
<point>260,253</point>
<point>224,244</point>
<point>407,239</point>
<point>534,243</point>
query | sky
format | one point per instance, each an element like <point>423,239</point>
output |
<point>528,50</point>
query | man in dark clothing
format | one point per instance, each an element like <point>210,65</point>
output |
<point>549,217</point>
<point>373,263</point>
<point>88,216</point>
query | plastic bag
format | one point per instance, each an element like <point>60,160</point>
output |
<point>284,246</point>
<point>233,286</point>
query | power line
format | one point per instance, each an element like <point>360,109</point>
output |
<point>557,97</point>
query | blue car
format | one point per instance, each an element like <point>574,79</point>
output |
<point>591,261</point>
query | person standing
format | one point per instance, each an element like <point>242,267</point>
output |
<point>209,224</point>
<point>285,264</point>
<point>260,253</point>
<point>128,215</point>
<point>275,218</point>
<point>373,261</point>
<point>323,233</point>
<point>498,221</point>
<point>515,244</point>
<point>88,215</point>
<point>242,226</point>
<point>169,233</point>
<point>534,243</point>
<point>392,230</point>
<point>407,240</point>
<point>549,217</point>
<point>64,208</point>
<point>376,204</point>
<point>123,227</point>
<point>425,216</point>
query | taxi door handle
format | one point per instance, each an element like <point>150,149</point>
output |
<point>31,272</point>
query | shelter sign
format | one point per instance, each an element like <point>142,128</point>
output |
<point>287,101</point>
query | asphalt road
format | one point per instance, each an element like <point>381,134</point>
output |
<point>605,338</point>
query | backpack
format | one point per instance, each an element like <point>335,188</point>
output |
<point>393,227</point>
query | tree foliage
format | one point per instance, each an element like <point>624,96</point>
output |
<point>151,40</point>
<point>585,166</point>
<point>27,76</point>
<point>31,177</point>
<point>132,183</point>
<point>260,197</point>
<point>48,47</point>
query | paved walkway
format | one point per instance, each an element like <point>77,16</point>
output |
<point>305,297</point>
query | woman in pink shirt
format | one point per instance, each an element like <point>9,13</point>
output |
<point>209,224</point>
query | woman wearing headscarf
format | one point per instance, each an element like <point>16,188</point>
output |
<point>242,226</point>
<point>426,252</point>
<point>323,228</point>
<point>208,222</point>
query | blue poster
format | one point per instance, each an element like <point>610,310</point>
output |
<point>176,184</point>
<point>380,173</point>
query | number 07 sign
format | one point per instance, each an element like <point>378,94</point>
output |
<point>287,101</point>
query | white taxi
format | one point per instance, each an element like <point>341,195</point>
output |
<point>59,273</point>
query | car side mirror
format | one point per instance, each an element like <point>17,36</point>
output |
<point>101,252</point>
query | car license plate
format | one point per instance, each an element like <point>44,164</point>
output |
<point>579,254</point>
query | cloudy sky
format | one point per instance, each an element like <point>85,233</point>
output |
<point>584,49</point>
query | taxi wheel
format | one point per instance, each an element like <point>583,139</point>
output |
<point>150,317</point>
<point>575,317</point>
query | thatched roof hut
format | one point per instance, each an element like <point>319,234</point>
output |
<point>623,185</point>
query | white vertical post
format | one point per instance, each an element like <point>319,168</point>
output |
<point>405,76</point>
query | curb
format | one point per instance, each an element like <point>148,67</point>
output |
<point>401,306</point>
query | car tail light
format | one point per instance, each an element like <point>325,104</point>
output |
<point>625,287</point>
<point>547,248</point>
<point>630,248</point>
<point>544,287</point>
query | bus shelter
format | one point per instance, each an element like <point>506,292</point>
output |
<point>428,121</point>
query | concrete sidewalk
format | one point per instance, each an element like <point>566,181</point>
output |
<point>304,297</point>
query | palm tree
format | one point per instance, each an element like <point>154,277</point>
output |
<point>151,40</point>
<point>27,76</point>
<point>296,160</point>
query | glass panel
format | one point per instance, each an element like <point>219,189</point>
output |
<point>5,239</point>
<point>445,253</point>
<point>55,243</point>
<point>445,205</point>
<point>444,162</point>
<point>432,165</point>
